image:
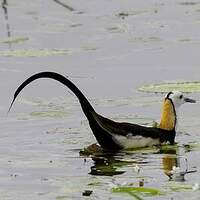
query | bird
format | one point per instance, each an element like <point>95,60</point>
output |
<point>116,136</point>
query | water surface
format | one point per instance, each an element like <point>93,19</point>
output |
<point>109,49</point>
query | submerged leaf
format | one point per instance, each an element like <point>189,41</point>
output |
<point>191,86</point>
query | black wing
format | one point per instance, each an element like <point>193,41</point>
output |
<point>124,129</point>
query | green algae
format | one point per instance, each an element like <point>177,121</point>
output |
<point>187,87</point>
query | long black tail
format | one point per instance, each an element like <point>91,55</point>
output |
<point>102,136</point>
<point>86,106</point>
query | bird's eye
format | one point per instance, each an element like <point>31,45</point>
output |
<point>181,96</point>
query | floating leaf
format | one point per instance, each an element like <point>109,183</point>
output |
<point>145,39</point>
<point>192,145</point>
<point>178,187</point>
<point>89,48</point>
<point>51,114</point>
<point>136,191</point>
<point>14,40</point>
<point>96,183</point>
<point>187,87</point>
<point>189,3</point>
<point>124,14</point>
<point>33,52</point>
<point>172,149</point>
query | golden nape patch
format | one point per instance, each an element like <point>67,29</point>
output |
<point>168,117</point>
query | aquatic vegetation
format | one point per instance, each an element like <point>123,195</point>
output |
<point>106,167</point>
<point>14,40</point>
<point>119,28</point>
<point>169,148</point>
<point>187,87</point>
<point>49,114</point>
<point>87,192</point>
<point>145,39</point>
<point>89,48</point>
<point>121,38</point>
<point>33,52</point>
<point>188,3</point>
<point>174,186</point>
<point>192,146</point>
<point>137,192</point>
<point>92,149</point>
<point>124,14</point>
<point>185,40</point>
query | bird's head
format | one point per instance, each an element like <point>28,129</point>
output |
<point>173,100</point>
<point>178,98</point>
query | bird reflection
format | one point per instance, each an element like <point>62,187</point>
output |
<point>174,165</point>
<point>169,160</point>
<point>106,166</point>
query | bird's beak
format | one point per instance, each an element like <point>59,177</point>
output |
<point>189,100</point>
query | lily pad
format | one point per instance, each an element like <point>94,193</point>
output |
<point>192,146</point>
<point>145,39</point>
<point>187,87</point>
<point>137,191</point>
<point>169,149</point>
<point>33,52</point>
<point>14,40</point>
<point>49,114</point>
<point>180,187</point>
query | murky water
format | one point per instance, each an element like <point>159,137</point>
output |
<point>109,49</point>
